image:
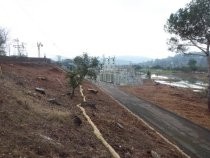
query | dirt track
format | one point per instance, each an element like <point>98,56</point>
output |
<point>192,138</point>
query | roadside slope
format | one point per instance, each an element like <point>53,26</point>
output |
<point>192,138</point>
<point>32,126</point>
<point>124,131</point>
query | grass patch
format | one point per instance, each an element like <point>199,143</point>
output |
<point>56,115</point>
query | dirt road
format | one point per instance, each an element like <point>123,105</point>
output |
<point>192,138</point>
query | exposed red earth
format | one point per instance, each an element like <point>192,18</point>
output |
<point>33,126</point>
<point>184,102</point>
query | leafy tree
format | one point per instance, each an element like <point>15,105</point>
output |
<point>87,66</point>
<point>74,80</point>
<point>192,64</point>
<point>3,39</point>
<point>84,66</point>
<point>191,28</point>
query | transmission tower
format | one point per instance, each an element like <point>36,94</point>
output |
<point>20,47</point>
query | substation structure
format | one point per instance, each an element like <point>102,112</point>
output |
<point>118,74</point>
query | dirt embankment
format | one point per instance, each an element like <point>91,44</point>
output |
<point>184,102</point>
<point>122,130</point>
<point>31,126</point>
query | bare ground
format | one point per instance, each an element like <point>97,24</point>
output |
<point>33,127</point>
<point>184,102</point>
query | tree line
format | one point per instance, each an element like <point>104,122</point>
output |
<point>178,62</point>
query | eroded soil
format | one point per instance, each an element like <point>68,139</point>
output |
<point>31,126</point>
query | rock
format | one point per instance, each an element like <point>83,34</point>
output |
<point>40,90</point>
<point>53,101</point>
<point>77,121</point>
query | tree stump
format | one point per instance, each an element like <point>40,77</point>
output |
<point>93,91</point>
<point>40,90</point>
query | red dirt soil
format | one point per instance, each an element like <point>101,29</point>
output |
<point>33,127</point>
<point>184,102</point>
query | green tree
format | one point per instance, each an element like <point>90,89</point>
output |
<point>74,80</point>
<point>190,27</point>
<point>3,40</point>
<point>192,64</point>
<point>84,66</point>
<point>87,66</point>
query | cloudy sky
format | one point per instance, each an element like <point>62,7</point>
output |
<point>109,27</point>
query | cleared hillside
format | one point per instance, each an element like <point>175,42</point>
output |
<point>33,126</point>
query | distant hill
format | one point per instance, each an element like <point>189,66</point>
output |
<point>126,60</point>
<point>177,61</point>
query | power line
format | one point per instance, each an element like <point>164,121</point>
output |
<point>33,20</point>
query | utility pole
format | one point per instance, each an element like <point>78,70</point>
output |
<point>39,45</point>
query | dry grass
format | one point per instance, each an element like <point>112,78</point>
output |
<point>59,116</point>
<point>33,127</point>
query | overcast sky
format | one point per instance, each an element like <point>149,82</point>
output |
<point>109,27</point>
